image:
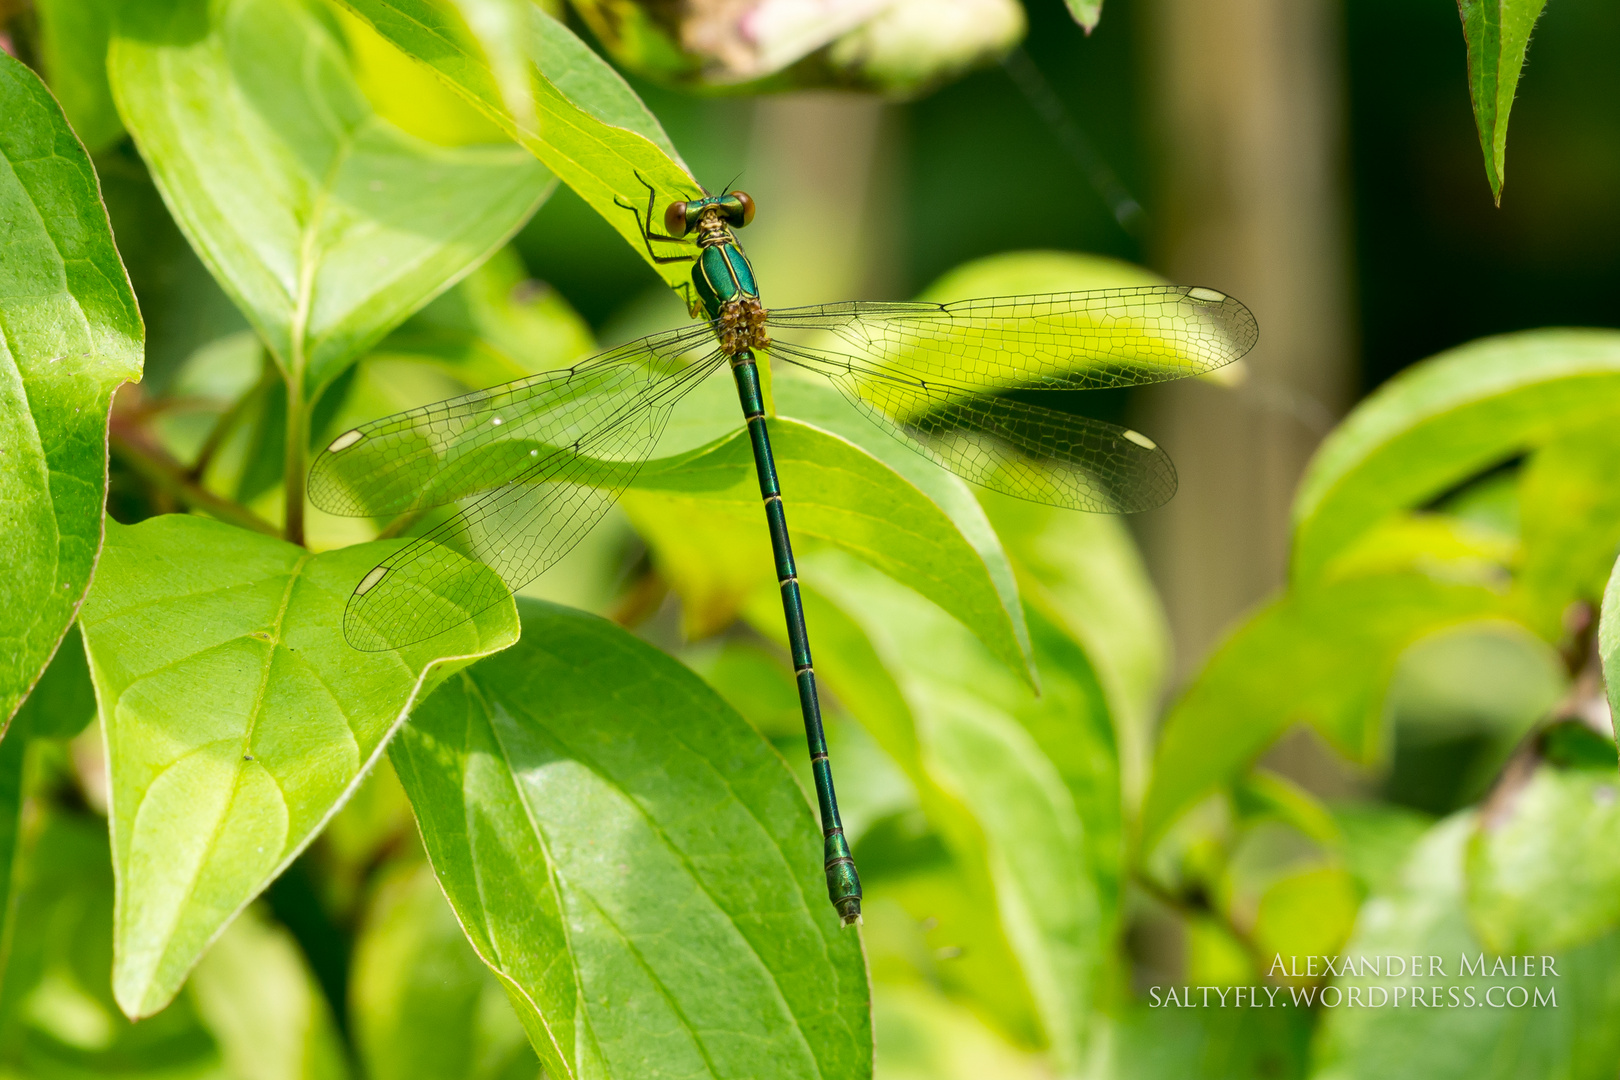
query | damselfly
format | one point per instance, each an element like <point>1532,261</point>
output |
<point>533,464</point>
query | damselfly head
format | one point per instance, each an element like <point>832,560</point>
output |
<point>734,207</point>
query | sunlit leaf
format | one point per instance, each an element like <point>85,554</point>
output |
<point>1609,639</point>
<point>1038,774</point>
<point>1322,658</point>
<point>547,89</point>
<point>237,719</point>
<point>634,862</point>
<point>840,494</point>
<point>1437,424</point>
<point>325,223</point>
<point>71,335</point>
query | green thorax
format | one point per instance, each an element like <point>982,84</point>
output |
<point>722,272</point>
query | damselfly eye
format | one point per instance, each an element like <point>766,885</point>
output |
<point>675,219</point>
<point>740,209</point>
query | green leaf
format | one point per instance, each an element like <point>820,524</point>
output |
<point>237,720</point>
<point>62,1022</point>
<point>69,334</point>
<point>63,702</point>
<point>955,896</point>
<point>1546,877</point>
<point>550,92</point>
<point>927,1036</point>
<point>1576,1034</point>
<point>635,863</point>
<point>425,1007</point>
<point>840,494</point>
<point>1497,33</point>
<point>73,37</point>
<point>326,224</point>
<point>260,1001</point>
<point>1609,639</point>
<point>1086,12</point>
<point>1083,572</point>
<point>1322,658</point>
<point>1441,422</point>
<point>1039,774</point>
<point>1570,509</point>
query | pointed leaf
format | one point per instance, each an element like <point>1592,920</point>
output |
<point>1441,422</point>
<point>69,335</point>
<point>326,224</point>
<point>635,863</point>
<point>1086,12</point>
<point>237,720</point>
<point>1497,32</point>
<point>549,91</point>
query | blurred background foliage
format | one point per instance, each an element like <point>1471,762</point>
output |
<point>1357,714</point>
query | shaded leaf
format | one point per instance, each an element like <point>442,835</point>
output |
<point>1322,658</point>
<point>1497,33</point>
<point>634,862</point>
<point>326,224</point>
<point>73,36</point>
<point>71,335</point>
<point>237,719</point>
<point>1439,423</point>
<point>63,702</point>
<point>547,89</point>
<point>425,1007</point>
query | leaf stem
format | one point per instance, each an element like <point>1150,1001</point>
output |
<point>167,475</point>
<point>229,419</point>
<point>297,455</point>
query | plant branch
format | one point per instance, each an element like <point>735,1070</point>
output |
<point>167,475</point>
<point>297,456</point>
<point>229,419</point>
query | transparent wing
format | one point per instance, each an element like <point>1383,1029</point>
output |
<point>1057,341</point>
<point>1006,445</point>
<point>453,449</point>
<point>530,486</point>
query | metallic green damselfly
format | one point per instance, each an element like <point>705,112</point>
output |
<point>532,465</point>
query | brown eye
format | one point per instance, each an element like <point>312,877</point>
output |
<point>747,208</point>
<point>675,219</point>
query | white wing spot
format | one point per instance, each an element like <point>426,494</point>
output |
<point>1141,440</point>
<point>496,421</point>
<point>534,453</point>
<point>345,440</point>
<point>370,580</point>
<point>1209,296</point>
